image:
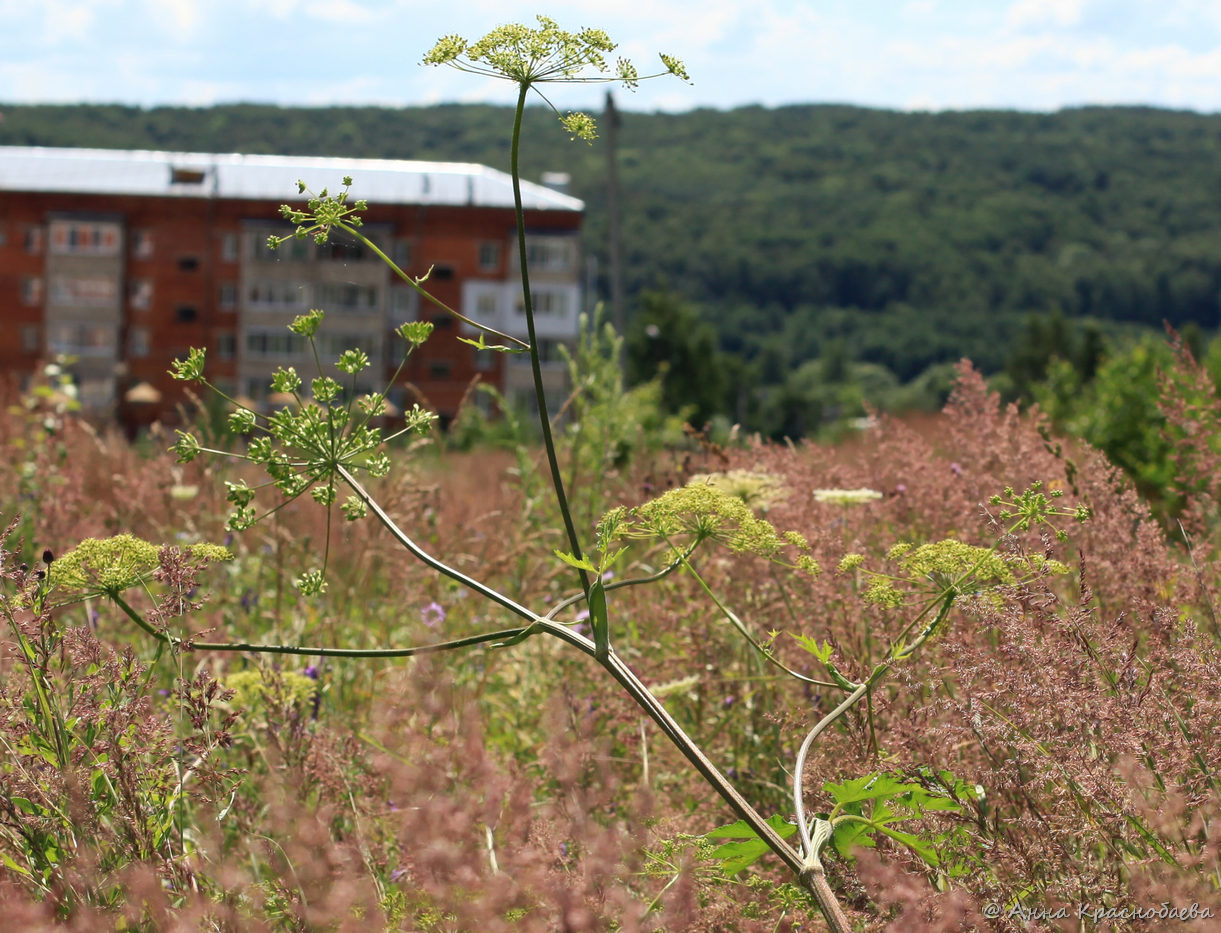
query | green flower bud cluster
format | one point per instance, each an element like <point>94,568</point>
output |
<point>256,691</point>
<point>324,211</point>
<point>703,509</point>
<point>103,566</point>
<point>757,490</point>
<point>302,445</point>
<point>946,567</point>
<point>1033,507</point>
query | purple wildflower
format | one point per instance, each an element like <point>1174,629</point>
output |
<point>433,614</point>
<point>582,625</point>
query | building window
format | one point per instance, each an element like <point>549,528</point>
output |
<point>344,296</point>
<point>93,291</point>
<point>546,301</point>
<point>33,240</point>
<point>332,346</point>
<point>81,339</point>
<point>275,343</point>
<point>442,273</point>
<point>187,176</point>
<point>489,257</point>
<point>31,338</point>
<point>142,244</point>
<point>226,345</point>
<point>549,255</point>
<point>485,305</point>
<point>404,304</point>
<point>402,253</point>
<point>188,263</point>
<point>228,296</point>
<point>84,238</point>
<point>291,249</point>
<point>485,362</point>
<point>3,236</point>
<point>439,369</point>
<point>346,250</point>
<point>137,342</point>
<point>276,295</point>
<point>140,293</point>
<point>186,314</point>
<point>549,351</point>
<point>31,291</point>
<point>229,247</point>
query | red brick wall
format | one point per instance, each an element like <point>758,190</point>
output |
<point>192,230</point>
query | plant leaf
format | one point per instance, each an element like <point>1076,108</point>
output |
<point>749,848</point>
<point>580,563</point>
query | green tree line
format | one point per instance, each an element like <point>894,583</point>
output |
<point>835,252</point>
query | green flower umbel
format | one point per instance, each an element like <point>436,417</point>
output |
<point>546,55</point>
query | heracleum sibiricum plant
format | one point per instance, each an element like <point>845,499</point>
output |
<point>322,442</point>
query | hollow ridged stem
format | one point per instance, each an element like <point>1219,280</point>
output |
<point>557,480</point>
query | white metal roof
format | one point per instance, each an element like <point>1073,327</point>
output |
<point>265,177</point>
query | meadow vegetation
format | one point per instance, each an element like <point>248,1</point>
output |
<point>1073,716</point>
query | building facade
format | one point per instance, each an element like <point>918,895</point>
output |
<point>125,260</point>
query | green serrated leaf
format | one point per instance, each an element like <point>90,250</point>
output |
<point>742,830</point>
<point>921,846</point>
<point>849,835</point>
<point>748,847</point>
<point>869,787</point>
<point>821,651</point>
<point>735,856</point>
<point>580,563</point>
<point>495,347</point>
<point>937,802</point>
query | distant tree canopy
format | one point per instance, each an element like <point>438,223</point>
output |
<point>900,240</point>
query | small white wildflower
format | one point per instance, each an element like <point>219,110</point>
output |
<point>846,496</point>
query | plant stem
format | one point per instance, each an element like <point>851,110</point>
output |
<point>557,480</point>
<point>314,651</point>
<point>423,292</point>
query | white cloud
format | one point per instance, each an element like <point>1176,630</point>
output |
<point>66,20</point>
<point>1039,54</point>
<point>179,19</point>
<point>1043,13</point>
<point>279,9</point>
<point>346,12</point>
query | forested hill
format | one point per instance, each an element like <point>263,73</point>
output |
<point>902,239</point>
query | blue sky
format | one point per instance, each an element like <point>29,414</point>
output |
<point>909,54</point>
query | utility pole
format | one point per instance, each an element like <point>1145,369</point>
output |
<point>610,127</point>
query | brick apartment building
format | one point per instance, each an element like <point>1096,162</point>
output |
<point>124,260</point>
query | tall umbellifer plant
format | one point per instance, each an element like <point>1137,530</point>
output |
<point>324,442</point>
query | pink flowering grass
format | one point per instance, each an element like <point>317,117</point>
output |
<point>518,789</point>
